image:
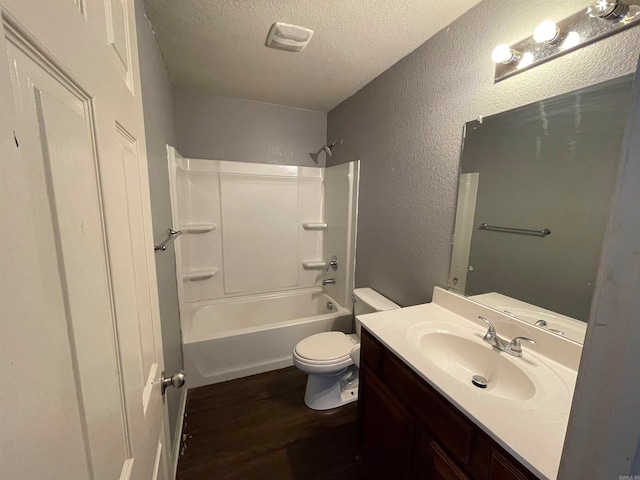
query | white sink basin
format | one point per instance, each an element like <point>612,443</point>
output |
<point>458,352</point>
<point>462,358</point>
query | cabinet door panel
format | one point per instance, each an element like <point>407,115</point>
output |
<point>432,463</point>
<point>503,469</point>
<point>443,466</point>
<point>371,351</point>
<point>386,431</point>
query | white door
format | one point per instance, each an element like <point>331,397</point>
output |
<point>80,344</point>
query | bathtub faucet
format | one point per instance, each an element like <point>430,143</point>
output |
<point>329,281</point>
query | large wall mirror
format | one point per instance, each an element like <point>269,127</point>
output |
<point>534,196</point>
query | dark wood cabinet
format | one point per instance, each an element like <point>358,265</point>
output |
<point>407,430</point>
<point>386,436</point>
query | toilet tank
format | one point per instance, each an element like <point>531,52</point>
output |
<point>368,300</point>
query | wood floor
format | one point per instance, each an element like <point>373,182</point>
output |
<point>259,428</point>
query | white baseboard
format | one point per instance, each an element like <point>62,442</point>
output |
<point>177,439</point>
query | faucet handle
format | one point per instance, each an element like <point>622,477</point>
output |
<point>491,333</point>
<point>515,346</point>
<point>333,263</point>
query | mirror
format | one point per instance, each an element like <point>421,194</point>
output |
<point>535,189</point>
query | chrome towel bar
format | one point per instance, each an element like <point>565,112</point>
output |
<point>173,234</point>
<point>521,231</point>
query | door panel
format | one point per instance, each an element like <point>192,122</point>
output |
<point>144,329</point>
<point>50,108</point>
<point>33,299</point>
<point>160,468</point>
<point>80,333</point>
<point>118,37</point>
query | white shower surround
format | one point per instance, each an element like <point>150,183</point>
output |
<point>243,228</point>
<point>251,257</point>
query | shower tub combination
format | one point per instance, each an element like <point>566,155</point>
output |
<point>256,240</point>
<point>233,338</point>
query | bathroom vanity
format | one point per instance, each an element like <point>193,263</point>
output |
<point>419,415</point>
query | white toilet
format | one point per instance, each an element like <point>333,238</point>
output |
<point>331,359</point>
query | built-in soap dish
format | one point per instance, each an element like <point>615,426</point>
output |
<point>314,264</point>
<point>201,275</point>
<point>198,227</point>
<point>314,225</point>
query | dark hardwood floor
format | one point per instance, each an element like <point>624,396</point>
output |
<point>259,428</point>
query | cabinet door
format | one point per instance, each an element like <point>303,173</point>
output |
<point>385,431</point>
<point>432,463</point>
<point>504,469</point>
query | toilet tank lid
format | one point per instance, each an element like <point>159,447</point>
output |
<point>372,298</point>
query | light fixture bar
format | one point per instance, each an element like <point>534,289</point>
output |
<point>602,19</point>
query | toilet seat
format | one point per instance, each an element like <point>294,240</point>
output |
<point>325,354</point>
<point>328,348</point>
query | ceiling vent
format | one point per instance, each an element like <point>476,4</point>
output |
<point>291,38</point>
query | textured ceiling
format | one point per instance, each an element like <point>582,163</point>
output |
<point>217,46</point>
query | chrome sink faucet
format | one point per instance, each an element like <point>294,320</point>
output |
<point>513,347</point>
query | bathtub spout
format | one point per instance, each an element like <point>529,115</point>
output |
<point>329,281</point>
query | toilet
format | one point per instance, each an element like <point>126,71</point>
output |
<point>331,359</point>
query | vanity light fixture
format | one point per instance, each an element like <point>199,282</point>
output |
<point>551,39</point>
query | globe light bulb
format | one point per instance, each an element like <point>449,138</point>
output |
<point>546,32</point>
<point>572,39</point>
<point>527,59</point>
<point>502,54</point>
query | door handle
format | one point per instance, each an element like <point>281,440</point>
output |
<point>176,380</point>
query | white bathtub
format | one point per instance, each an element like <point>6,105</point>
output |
<point>233,338</point>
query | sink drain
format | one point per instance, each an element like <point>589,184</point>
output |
<point>479,381</point>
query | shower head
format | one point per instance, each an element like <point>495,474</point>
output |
<point>328,149</point>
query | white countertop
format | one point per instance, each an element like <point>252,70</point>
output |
<point>533,431</point>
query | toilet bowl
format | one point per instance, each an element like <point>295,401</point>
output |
<point>331,359</point>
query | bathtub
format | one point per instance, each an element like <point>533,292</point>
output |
<point>233,338</point>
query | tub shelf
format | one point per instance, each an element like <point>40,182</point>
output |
<point>198,227</point>
<point>314,225</point>
<point>314,264</point>
<point>204,274</point>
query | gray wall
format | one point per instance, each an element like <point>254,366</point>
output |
<point>406,128</point>
<point>222,128</point>
<point>157,101</point>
